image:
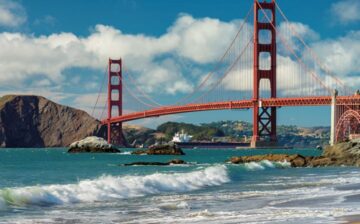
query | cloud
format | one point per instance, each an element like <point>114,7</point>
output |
<point>346,11</point>
<point>202,40</point>
<point>291,31</point>
<point>12,14</point>
<point>168,64</point>
<point>341,55</point>
<point>198,41</point>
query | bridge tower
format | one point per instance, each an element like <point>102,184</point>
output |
<point>114,102</point>
<point>264,118</point>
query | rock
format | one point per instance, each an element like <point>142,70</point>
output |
<point>92,144</point>
<point>174,161</point>
<point>341,154</point>
<point>34,121</point>
<point>168,149</point>
<point>177,161</point>
<point>139,152</point>
<point>345,153</point>
<point>322,161</point>
<point>298,161</point>
<point>295,160</point>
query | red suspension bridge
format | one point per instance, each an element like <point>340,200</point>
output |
<point>266,66</point>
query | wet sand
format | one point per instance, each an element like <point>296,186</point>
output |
<point>351,219</point>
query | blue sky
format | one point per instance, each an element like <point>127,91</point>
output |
<point>58,49</point>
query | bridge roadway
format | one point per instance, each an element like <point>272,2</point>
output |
<point>237,104</point>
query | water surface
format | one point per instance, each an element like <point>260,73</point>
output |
<point>51,186</point>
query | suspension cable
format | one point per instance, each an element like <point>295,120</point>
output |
<point>218,64</point>
<point>141,91</point>
<point>227,71</point>
<point>313,54</point>
<point>100,90</point>
<point>293,52</point>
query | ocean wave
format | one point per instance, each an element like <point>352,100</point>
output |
<point>174,206</point>
<point>108,188</point>
<point>125,153</point>
<point>262,165</point>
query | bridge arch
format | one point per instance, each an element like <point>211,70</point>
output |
<point>349,121</point>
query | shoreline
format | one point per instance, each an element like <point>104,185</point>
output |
<point>350,219</point>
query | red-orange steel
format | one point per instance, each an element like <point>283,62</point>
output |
<point>239,104</point>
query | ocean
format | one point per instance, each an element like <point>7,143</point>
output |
<point>51,186</point>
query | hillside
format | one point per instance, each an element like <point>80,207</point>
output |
<point>199,132</point>
<point>34,121</point>
<point>137,135</point>
<point>233,131</point>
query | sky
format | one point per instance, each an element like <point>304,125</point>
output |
<point>59,49</point>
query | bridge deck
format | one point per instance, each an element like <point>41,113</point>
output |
<point>239,104</point>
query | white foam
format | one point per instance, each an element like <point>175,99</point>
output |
<point>262,165</point>
<point>107,188</point>
<point>125,153</point>
<point>175,206</point>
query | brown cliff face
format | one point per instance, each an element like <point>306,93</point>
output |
<point>34,121</point>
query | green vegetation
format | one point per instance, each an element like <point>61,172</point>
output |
<point>199,132</point>
<point>288,135</point>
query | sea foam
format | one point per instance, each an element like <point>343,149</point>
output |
<point>266,164</point>
<point>108,188</point>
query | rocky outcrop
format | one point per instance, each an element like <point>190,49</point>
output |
<point>347,154</point>
<point>34,121</point>
<point>171,162</point>
<point>92,144</point>
<point>168,149</point>
<point>295,160</point>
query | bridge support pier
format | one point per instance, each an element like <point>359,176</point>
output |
<point>264,118</point>
<point>333,118</point>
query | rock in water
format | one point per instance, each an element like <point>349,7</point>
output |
<point>177,161</point>
<point>346,153</point>
<point>92,144</point>
<point>168,149</point>
<point>34,121</point>
<point>295,160</point>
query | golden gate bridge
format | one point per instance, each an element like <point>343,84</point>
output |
<point>264,67</point>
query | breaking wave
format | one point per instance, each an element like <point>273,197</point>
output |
<point>266,164</point>
<point>108,188</point>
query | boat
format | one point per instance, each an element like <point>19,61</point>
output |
<point>183,140</point>
<point>181,137</point>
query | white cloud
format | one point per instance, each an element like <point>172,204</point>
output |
<point>290,32</point>
<point>197,40</point>
<point>346,11</point>
<point>156,62</point>
<point>12,14</point>
<point>342,55</point>
<point>202,40</point>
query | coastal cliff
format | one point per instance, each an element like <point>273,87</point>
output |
<point>34,121</point>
